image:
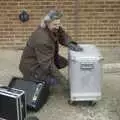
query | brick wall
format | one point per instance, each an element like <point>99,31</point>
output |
<point>87,21</point>
<point>99,22</point>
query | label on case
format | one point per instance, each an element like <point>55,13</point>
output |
<point>86,66</point>
<point>38,89</point>
<point>34,98</point>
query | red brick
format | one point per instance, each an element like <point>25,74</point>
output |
<point>90,21</point>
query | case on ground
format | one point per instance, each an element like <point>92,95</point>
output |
<point>12,104</point>
<point>85,73</point>
<point>37,92</point>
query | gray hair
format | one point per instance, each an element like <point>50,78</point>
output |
<point>52,15</point>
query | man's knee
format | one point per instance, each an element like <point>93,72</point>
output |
<point>61,62</point>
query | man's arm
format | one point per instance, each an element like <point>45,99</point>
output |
<point>46,61</point>
<point>64,38</point>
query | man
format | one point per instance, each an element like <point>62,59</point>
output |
<point>40,59</point>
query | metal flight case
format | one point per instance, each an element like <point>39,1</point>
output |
<point>85,74</point>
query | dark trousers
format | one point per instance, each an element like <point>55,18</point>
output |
<point>60,62</point>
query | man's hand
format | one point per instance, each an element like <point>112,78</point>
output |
<point>74,46</point>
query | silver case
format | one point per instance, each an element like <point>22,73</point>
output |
<point>85,73</point>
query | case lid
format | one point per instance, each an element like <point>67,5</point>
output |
<point>11,91</point>
<point>90,52</point>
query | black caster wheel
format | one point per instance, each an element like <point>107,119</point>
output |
<point>92,103</point>
<point>70,102</point>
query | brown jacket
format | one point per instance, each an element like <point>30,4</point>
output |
<point>38,56</point>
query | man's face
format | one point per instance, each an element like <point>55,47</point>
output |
<point>54,25</point>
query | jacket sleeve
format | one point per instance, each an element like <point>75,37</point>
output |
<point>44,57</point>
<point>38,41</point>
<point>46,62</point>
<point>64,38</point>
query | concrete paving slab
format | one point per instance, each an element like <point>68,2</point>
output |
<point>57,108</point>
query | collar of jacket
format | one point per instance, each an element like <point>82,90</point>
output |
<point>52,35</point>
